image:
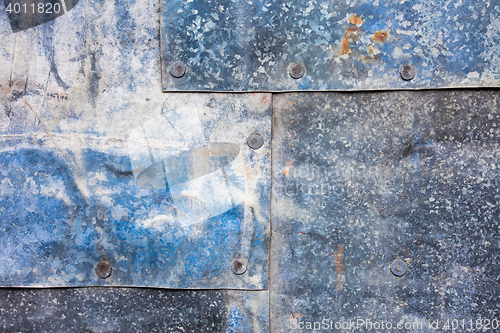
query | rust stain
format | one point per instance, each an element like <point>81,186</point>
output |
<point>264,99</point>
<point>339,268</point>
<point>380,36</point>
<point>346,49</point>
<point>288,166</point>
<point>356,20</point>
<point>294,318</point>
<point>352,33</point>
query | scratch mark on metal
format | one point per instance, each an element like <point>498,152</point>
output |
<point>339,261</point>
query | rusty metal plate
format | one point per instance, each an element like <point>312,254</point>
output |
<point>169,200</point>
<point>241,45</point>
<point>385,212</point>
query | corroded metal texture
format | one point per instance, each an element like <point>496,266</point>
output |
<point>98,164</point>
<point>386,209</point>
<point>167,202</point>
<point>241,45</point>
<point>107,181</point>
<point>132,310</point>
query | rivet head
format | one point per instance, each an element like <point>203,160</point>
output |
<point>408,72</point>
<point>255,141</point>
<point>398,268</point>
<point>177,69</point>
<point>103,269</point>
<point>296,70</point>
<point>239,266</point>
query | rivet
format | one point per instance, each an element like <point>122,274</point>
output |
<point>255,141</point>
<point>239,266</point>
<point>103,269</point>
<point>398,268</point>
<point>408,72</point>
<point>177,69</point>
<point>297,70</point>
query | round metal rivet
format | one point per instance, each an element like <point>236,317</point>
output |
<point>103,269</point>
<point>239,266</point>
<point>255,141</point>
<point>398,268</point>
<point>177,69</point>
<point>297,70</point>
<point>408,72</point>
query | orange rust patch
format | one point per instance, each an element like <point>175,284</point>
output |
<point>339,261</point>
<point>380,36</point>
<point>294,318</point>
<point>264,99</point>
<point>287,169</point>
<point>345,49</point>
<point>352,33</point>
<point>356,20</point>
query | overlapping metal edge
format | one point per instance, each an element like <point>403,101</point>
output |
<point>246,45</point>
<point>84,128</point>
<point>385,211</point>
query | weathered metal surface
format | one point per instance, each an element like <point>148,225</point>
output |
<point>169,202</point>
<point>132,310</point>
<point>97,164</point>
<point>241,45</point>
<point>361,180</point>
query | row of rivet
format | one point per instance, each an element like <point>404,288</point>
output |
<point>239,267</point>
<point>296,70</point>
<point>103,269</point>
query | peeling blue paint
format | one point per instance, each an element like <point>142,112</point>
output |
<point>64,209</point>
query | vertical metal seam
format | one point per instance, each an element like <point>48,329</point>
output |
<point>269,263</point>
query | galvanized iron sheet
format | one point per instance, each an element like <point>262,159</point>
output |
<point>244,45</point>
<point>97,163</point>
<point>138,310</point>
<point>170,201</point>
<point>362,181</point>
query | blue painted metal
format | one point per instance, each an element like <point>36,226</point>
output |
<point>169,207</point>
<point>86,136</point>
<point>97,163</point>
<point>245,45</point>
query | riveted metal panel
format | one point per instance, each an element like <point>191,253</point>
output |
<point>169,200</point>
<point>98,165</point>
<point>242,45</point>
<point>385,204</point>
<point>385,209</point>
